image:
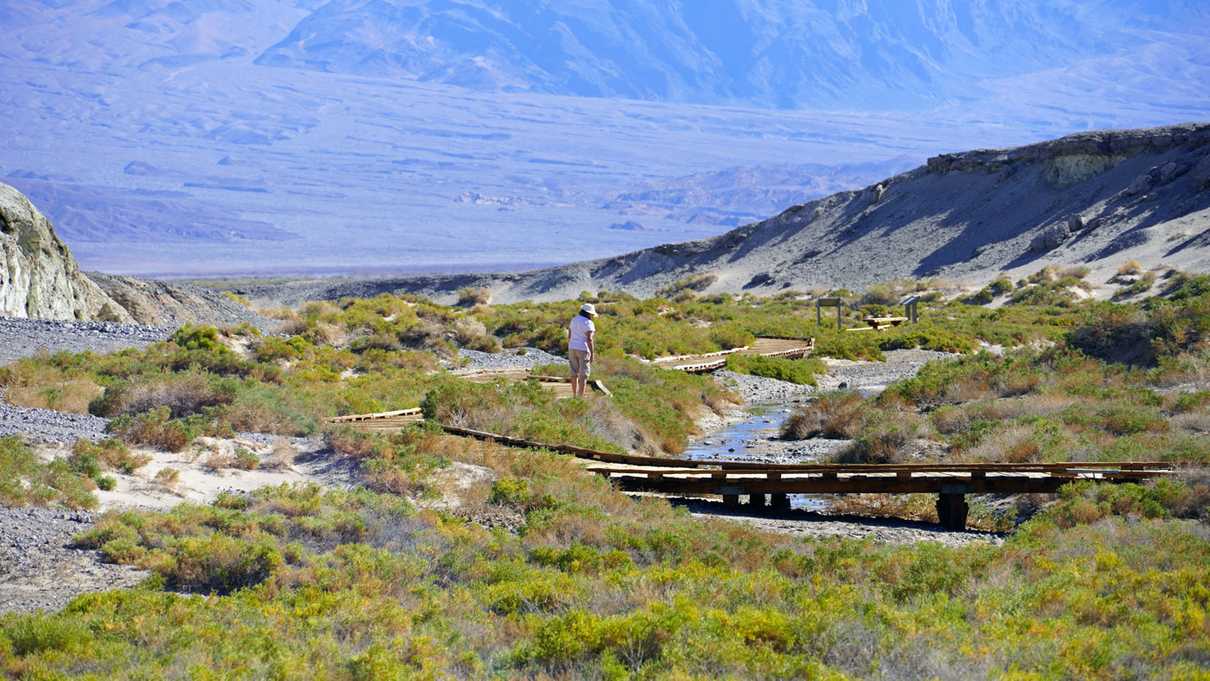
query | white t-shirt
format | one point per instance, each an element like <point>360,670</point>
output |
<point>581,326</point>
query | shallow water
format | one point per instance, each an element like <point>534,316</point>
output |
<point>763,421</point>
<point>732,444</point>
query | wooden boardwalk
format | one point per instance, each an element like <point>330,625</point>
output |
<point>771,484</point>
<point>790,348</point>
<point>951,482</point>
<point>559,385</point>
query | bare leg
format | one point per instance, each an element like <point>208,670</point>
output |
<point>578,385</point>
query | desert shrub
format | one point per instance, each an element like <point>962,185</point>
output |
<point>219,564</point>
<point>1187,402</point>
<point>695,283</point>
<point>182,394</point>
<point>884,437</point>
<point>168,476</point>
<point>397,463</point>
<point>471,333</point>
<point>157,428</point>
<point>998,287</point>
<point>731,335</point>
<point>42,633</point>
<point>925,336</point>
<point>835,415</point>
<point>1136,288</point>
<point>470,297</point>
<point>800,371</point>
<point>1184,287</point>
<point>426,335</point>
<point>1128,419</point>
<point>1074,272</point>
<point>1130,267</point>
<point>244,459</point>
<point>880,295</point>
<point>1014,444</point>
<point>37,382</point>
<point>847,345</point>
<point>111,455</point>
<point>383,342</point>
<point>282,410</point>
<point>1116,334</point>
<point>1088,502</point>
<point>523,410</point>
<point>1042,295</point>
<point>275,348</point>
<point>26,481</point>
<point>663,404</point>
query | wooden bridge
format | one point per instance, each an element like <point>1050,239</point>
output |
<point>767,346</point>
<point>762,484</point>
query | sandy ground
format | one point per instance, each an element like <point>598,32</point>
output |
<point>205,470</point>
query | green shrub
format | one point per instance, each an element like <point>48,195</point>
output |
<point>1087,502</point>
<point>219,564</point>
<point>40,633</point>
<point>1000,286</point>
<point>158,429</point>
<point>836,415</point>
<point>26,480</point>
<point>112,454</point>
<point>800,371</point>
<point>884,438</point>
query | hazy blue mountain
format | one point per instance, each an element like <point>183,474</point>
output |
<point>166,136</point>
<point>848,53</point>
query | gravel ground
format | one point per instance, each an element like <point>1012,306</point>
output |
<point>760,390</point>
<point>38,568</point>
<point>521,358</point>
<point>872,377</point>
<point>817,525</point>
<point>864,376</point>
<point>24,337</point>
<point>44,425</point>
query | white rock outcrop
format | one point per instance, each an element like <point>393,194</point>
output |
<point>39,278</point>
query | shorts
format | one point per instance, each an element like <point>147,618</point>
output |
<point>580,364</point>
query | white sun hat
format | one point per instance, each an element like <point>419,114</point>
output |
<point>589,309</point>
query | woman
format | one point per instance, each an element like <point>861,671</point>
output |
<point>581,346</point>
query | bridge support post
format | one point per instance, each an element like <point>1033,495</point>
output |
<point>781,502</point>
<point>756,500</point>
<point>731,500</point>
<point>952,510</point>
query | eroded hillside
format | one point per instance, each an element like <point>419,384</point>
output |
<point>1098,198</point>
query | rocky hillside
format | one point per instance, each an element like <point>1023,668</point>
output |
<point>39,279</point>
<point>1098,198</point>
